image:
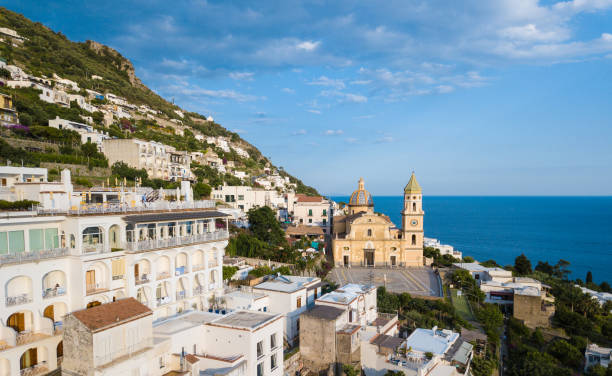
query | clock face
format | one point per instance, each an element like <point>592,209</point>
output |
<point>414,222</point>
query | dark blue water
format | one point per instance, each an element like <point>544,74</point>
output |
<point>576,229</point>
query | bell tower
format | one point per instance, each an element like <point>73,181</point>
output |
<point>412,215</point>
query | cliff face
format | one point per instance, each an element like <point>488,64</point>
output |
<point>122,63</point>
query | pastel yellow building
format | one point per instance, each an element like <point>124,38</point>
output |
<point>366,238</point>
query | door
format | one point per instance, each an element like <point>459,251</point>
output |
<point>369,258</point>
<point>392,260</point>
<point>346,260</point>
<point>90,280</point>
<point>49,312</point>
<point>29,359</point>
<point>17,322</point>
<point>136,272</point>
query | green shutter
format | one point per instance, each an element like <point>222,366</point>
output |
<point>3,243</point>
<point>36,239</point>
<point>16,241</point>
<point>51,238</point>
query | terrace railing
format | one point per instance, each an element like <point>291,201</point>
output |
<point>148,244</point>
<point>17,258</point>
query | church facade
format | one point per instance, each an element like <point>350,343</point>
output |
<point>366,238</point>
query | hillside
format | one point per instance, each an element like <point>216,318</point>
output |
<point>48,57</point>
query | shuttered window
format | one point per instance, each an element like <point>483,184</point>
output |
<point>16,241</point>
<point>36,239</point>
<point>51,238</point>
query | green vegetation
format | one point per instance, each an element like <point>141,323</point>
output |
<point>17,205</point>
<point>462,306</point>
<point>439,260</point>
<point>228,272</point>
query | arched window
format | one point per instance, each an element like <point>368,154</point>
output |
<point>414,206</point>
<point>369,232</point>
<point>413,239</point>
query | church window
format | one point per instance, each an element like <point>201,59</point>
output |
<point>414,206</point>
<point>346,248</point>
<point>369,232</point>
<point>413,239</point>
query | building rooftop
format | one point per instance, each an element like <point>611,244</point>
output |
<point>324,312</point>
<point>173,216</point>
<point>346,294</point>
<point>476,267</point>
<point>431,340</point>
<point>286,283</point>
<point>305,198</point>
<point>184,322</point>
<point>389,342</point>
<point>108,315</point>
<point>244,319</point>
<point>305,230</point>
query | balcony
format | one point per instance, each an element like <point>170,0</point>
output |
<point>143,279</point>
<point>149,244</point>
<point>53,292</point>
<point>17,300</point>
<point>26,337</point>
<point>17,258</point>
<point>180,295</point>
<point>125,208</point>
<point>162,301</point>
<point>35,370</point>
<point>197,267</point>
<point>163,275</point>
<point>199,290</point>
<point>94,289</point>
<point>93,248</point>
<point>213,263</point>
<point>212,286</point>
<point>180,270</point>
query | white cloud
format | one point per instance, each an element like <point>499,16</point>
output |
<point>314,111</point>
<point>299,132</point>
<point>444,89</point>
<point>308,45</point>
<point>384,140</point>
<point>361,82</point>
<point>246,76</point>
<point>288,90</point>
<point>326,81</point>
<point>215,94</point>
<point>351,140</point>
<point>364,117</point>
<point>334,132</point>
<point>344,97</point>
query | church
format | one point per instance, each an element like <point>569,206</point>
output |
<point>366,238</point>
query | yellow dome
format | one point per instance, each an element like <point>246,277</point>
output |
<point>361,196</point>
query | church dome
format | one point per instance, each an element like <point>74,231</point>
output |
<point>361,196</point>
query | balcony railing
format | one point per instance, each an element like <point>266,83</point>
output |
<point>16,258</point>
<point>198,290</point>
<point>162,301</point>
<point>163,275</point>
<point>197,267</point>
<point>212,286</point>
<point>176,241</point>
<point>180,270</point>
<point>125,208</point>
<point>93,248</point>
<point>53,292</point>
<point>180,295</point>
<point>35,370</point>
<point>144,278</point>
<point>19,299</point>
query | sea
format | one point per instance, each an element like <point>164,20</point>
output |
<point>575,229</point>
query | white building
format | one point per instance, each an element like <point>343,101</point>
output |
<point>82,102</point>
<point>246,198</point>
<point>595,354</point>
<point>290,296</point>
<point>479,272</point>
<point>311,211</point>
<point>358,300</point>
<point>72,258</point>
<point>87,132</point>
<point>601,297</point>
<point>445,249</point>
<point>244,298</point>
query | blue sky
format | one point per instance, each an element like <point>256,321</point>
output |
<point>507,97</point>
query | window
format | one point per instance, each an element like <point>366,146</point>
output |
<point>414,206</point>
<point>325,212</point>
<point>309,212</point>
<point>240,197</point>
<point>324,221</point>
<point>259,349</point>
<point>413,239</point>
<point>260,369</point>
<point>273,363</point>
<point>299,302</point>
<point>351,315</point>
<point>309,220</point>
<point>118,267</point>
<point>273,342</point>
<point>369,232</point>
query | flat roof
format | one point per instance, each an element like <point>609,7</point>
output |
<point>286,283</point>
<point>184,322</point>
<point>476,267</point>
<point>389,342</point>
<point>346,293</point>
<point>244,319</point>
<point>324,312</point>
<point>174,216</point>
<point>425,340</point>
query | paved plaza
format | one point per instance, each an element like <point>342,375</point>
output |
<point>417,281</point>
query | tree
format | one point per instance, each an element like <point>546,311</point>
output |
<point>228,272</point>
<point>25,119</point>
<point>566,353</point>
<point>97,117</point>
<point>350,370</point>
<point>605,287</point>
<point>89,149</point>
<point>263,224</point>
<point>589,277</point>
<point>394,373</point>
<point>545,267</point>
<point>468,259</point>
<point>522,265</point>
<point>201,190</point>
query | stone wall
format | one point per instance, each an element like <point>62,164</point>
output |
<point>532,311</point>
<point>78,348</point>
<point>293,364</point>
<point>317,343</point>
<point>79,170</point>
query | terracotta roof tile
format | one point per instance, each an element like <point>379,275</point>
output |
<point>111,314</point>
<point>304,198</point>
